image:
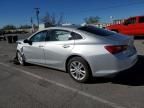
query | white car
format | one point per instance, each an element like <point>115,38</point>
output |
<point>83,52</point>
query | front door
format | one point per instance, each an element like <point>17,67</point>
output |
<point>129,26</point>
<point>35,53</point>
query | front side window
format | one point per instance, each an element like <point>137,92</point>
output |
<point>39,37</point>
<point>141,20</point>
<point>60,35</point>
<point>130,21</point>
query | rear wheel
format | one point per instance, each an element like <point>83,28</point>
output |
<point>79,69</point>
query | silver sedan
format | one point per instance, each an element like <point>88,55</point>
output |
<point>83,52</point>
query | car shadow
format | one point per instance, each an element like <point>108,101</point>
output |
<point>133,76</point>
<point>130,77</point>
<point>139,37</point>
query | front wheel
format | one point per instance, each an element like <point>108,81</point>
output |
<point>20,59</point>
<point>79,69</point>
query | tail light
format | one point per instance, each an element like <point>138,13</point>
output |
<point>114,49</point>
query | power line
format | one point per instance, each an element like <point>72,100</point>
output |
<point>122,5</point>
<point>111,7</point>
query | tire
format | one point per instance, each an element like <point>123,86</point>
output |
<point>20,59</point>
<point>79,69</point>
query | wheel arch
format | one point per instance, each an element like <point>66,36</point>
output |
<point>75,55</point>
<point>115,30</point>
<point>21,54</point>
<point>17,52</point>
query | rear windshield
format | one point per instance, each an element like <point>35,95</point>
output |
<point>96,31</point>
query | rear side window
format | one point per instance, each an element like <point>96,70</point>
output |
<point>76,36</point>
<point>141,20</point>
<point>39,37</point>
<point>60,35</point>
<point>96,31</point>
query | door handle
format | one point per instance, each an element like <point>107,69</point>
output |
<point>66,46</point>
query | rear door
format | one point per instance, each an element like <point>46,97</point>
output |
<point>58,47</point>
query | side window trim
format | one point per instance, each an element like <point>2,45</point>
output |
<point>78,34</point>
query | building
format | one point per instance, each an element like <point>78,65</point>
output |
<point>118,21</point>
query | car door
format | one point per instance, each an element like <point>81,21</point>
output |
<point>35,53</point>
<point>129,26</point>
<point>58,47</point>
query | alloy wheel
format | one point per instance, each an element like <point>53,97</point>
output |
<point>77,70</point>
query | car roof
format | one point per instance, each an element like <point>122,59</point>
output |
<point>62,27</point>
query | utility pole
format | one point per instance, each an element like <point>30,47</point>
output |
<point>32,24</point>
<point>37,15</point>
<point>111,19</point>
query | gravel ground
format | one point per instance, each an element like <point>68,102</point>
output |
<point>140,46</point>
<point>39,87</point>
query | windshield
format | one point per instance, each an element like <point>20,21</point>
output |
<point>96,31</point>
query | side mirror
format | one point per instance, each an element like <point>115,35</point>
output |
<point>27,41</point>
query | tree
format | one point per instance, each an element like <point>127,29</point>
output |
<point>25,27</point>
<point>92,19</point>
<point>9,27</point>
<point>52,20</point>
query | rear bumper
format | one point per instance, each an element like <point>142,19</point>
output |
<point>115,67</point>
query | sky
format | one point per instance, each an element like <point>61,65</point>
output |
<point>19,12</point>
